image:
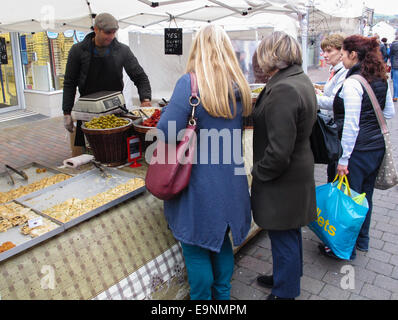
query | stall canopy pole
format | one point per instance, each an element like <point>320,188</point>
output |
<point>243,13</point>
<point>92,16</point>
<point>362,20</point>
<point>304,38</point>
<point>155,4</point>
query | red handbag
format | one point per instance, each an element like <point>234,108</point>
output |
<point>170,166</point>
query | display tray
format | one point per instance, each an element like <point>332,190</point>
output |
<point>30,170</point>
<point>23,242</point>
<point>82,186</point>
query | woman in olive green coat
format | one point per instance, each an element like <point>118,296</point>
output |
<point>283,188</point>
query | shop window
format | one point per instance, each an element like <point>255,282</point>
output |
<point>44,56</point>
<point>8,89</point>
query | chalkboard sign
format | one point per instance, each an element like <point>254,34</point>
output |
<point>134,151</point>
<point>173,41</point>
<point>3,51</point>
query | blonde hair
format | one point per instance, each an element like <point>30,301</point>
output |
<point>213,59</point>
<point>278,51</point>
<point>333,41</point>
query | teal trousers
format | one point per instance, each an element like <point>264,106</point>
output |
<point>209,273</point>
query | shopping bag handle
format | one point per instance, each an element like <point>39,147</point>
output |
<point>343,180</point>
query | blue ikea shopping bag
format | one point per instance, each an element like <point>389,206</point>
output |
<point>341,212</point>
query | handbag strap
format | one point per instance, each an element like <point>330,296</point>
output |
<point>375,103</point>
<point>194,85</point>
<point>194,95</point>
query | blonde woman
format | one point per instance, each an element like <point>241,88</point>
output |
<point>283,187</point>
<point>217,199</point>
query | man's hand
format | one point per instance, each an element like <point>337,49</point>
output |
<point>68,123</point>
<point>146,103</point>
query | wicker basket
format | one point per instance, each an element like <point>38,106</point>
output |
<point>109,146</point>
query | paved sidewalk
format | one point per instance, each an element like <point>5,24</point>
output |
<point>376,272</point>
<point>44,141</point>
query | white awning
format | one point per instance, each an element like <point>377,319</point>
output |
<point>55,15</point>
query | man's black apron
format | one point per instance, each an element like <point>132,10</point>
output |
<point>102,75</point>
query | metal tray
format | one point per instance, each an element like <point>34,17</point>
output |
<point>23,242</point>
<point>80,186</point>
<point>30,170</point>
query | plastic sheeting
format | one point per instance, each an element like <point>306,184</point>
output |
<point>164,70</point>
<point>341,8</point>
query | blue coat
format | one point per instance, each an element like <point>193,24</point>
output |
<point>215,197</point>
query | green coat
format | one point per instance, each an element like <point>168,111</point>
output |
<point>283,187</point>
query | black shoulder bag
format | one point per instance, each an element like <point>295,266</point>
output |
<point>325,143</point>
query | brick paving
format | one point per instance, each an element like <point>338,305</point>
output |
<point>44,141</point>
<point>376,272</point>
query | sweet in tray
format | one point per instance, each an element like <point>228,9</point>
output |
<point>74,207</point>
<point>37,185</point>
<point>12,214</point>
<point>6,246</point>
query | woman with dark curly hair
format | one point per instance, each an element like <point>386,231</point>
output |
<point>359,130</point>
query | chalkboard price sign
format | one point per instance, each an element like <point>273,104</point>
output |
<point>173,41</point>
<point>3,51</point>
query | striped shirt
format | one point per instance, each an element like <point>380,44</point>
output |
<point>352,93</point>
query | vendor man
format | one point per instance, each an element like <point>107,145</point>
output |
<point>96,64</point>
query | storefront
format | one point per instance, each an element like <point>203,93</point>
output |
<point>33,68</point>
<point>11,89</point>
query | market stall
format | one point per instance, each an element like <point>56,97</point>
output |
<point>120,249</point>
<point>128,243</point>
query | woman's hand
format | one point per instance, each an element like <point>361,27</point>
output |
<point>342,170</point>
<point>318,92</point>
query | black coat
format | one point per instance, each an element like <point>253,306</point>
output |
<point>78,66</point>
<point>283,187</point>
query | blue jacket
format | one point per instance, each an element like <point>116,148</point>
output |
<point>394,54</point>
<point>216,198</point>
